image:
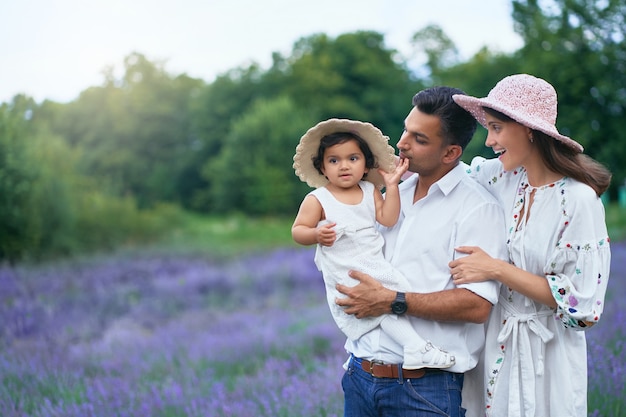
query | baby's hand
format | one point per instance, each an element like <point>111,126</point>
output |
<point>325,234</point>
<point>393,178</point>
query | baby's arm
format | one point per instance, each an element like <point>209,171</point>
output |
<point>305,231</point>
<point>388,208</point>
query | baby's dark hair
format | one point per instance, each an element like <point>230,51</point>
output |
<point>342,137</point>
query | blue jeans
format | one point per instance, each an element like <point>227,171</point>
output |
<point>437,393</point>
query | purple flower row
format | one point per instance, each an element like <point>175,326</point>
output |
<point>187,336</point>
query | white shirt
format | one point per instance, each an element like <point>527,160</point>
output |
<point>455,212</point>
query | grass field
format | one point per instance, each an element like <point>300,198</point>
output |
<point>235,235</point>
<point>223,317</point>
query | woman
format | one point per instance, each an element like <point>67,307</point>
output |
<point>535,358</point>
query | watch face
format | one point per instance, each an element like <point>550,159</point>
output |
<point>398,307</point>
<point>399,304</point>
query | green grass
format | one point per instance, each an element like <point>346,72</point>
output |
<point>226,235</point>
<point>236,234</point>
<point>233,235</point>
<point>616,221</point>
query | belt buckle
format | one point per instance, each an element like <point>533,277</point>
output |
<point>373,363</point>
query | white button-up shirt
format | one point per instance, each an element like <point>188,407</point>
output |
<point>456,212</point>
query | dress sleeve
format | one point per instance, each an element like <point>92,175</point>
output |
<point>476,169</point>
<point>486,172</point>
<point>578,269</point>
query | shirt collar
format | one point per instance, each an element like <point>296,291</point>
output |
<point>449,181</point>
<point>446,184</point>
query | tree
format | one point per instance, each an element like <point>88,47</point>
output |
<point>577,45</point>
<point>18,175</point>
<point>439,49</point>
<point>212,114</point>
<point>476,77</point>
<point>253,172</point>
<point>353,76</point>
<point>40,188</point>
<point>136,132</point>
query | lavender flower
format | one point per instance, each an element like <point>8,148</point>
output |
<point>190,336</point>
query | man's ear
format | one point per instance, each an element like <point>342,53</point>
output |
<point>452,154</point>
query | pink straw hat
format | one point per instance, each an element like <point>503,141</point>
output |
<point>528,100</point>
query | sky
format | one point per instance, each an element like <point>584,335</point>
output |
<point>54,49</point>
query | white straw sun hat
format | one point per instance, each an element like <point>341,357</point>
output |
<point>528,100</point>
<point>307,149</point>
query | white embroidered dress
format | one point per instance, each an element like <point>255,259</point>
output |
<point>535,361</point>
<point>359,247</point>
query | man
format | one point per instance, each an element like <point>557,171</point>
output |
<point>442,209</point>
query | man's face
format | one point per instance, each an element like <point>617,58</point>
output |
<point>421,143</point>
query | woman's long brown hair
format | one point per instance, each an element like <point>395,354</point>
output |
<point>570,163</point>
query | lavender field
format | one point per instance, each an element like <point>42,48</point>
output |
<point>169,336</point>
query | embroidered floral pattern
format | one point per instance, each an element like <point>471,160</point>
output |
<point>493,374</point>
<point>564,295</point>
<point>552,249</point>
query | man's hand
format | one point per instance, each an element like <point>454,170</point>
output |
<point>366,299</point>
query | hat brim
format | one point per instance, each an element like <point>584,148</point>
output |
<point>475,107</point>
<point>307,149</point>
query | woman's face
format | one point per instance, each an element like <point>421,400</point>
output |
<point>510,140</point>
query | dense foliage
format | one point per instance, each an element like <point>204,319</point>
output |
<point>74,174</point>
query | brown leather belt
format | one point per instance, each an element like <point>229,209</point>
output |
<point>382,370</point>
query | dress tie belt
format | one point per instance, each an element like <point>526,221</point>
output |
<point>522,360</point>
<point>340,230</point>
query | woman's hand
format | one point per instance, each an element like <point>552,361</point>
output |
<point>478,266</point>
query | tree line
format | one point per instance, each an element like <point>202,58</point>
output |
<point>121,159</point>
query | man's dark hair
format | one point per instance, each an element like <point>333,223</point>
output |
<point>457,125</point>
<point>342,137</point>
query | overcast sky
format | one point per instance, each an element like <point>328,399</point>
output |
<point>54,49</point>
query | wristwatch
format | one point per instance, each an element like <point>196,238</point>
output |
<point>399,304</point>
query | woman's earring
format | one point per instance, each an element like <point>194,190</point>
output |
<point>530,137</point>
